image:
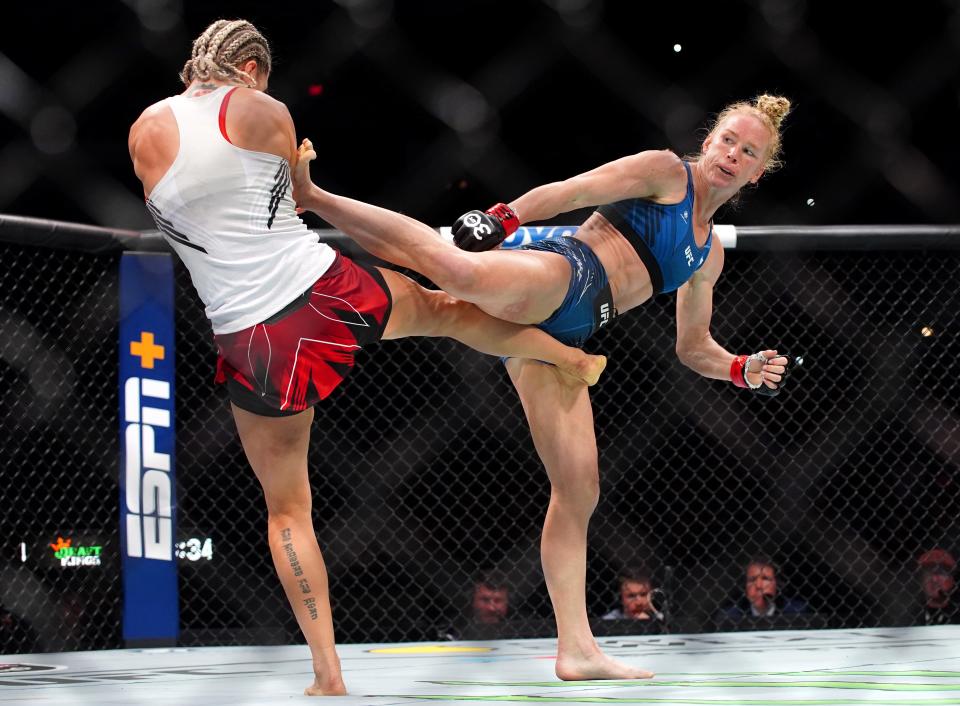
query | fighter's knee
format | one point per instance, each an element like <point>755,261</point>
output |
<point>582,490</point>
<point>591,493</point>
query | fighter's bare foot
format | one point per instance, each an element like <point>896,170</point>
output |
<point>305,154</point>
<point>328,688</point>
<point>301,174</point>
<point>596,666</point>
<point>586,369</point>
<point>327,678</point>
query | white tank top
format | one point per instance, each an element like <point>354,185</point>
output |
<point>229,214</point>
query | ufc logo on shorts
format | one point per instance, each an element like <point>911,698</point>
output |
<point>472,221</point>
<point>604,314</point>
<point>689,253</point>
<point>149,502</point>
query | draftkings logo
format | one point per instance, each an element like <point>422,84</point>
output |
<point>71,556</point>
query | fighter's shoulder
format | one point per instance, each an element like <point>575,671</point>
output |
<point>664,161</point>
<point>259,122</point>
<point>667,166</point>
<point>657,173</point>
<point>150,113</point>
<point>150,119</point>
<point>252,100</point>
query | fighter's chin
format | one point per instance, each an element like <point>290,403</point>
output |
<point>719,179</point>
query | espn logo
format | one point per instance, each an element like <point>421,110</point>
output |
<point>149,501</point>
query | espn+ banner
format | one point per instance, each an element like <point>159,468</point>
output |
<point>147,442</point>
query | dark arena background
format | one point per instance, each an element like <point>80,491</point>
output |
<point>423,471</point>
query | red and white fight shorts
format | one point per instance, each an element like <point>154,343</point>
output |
<point>299,355</point>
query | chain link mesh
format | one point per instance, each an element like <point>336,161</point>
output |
<point>60,446</point>
<point>424,473</point>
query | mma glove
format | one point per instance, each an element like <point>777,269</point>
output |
<point>741,366</point>
<point>477,231</point>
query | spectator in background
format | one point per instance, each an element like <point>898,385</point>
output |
<point>761,597</point>
<point>491,599</point>
<point>488,609</point>
<point>636,597</point>
<point>937,580</point>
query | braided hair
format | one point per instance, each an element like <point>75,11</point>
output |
<point>223,47</point>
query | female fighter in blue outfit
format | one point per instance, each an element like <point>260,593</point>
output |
<point>652,234</point>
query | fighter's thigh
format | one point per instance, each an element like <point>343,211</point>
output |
<point>276,448</point>
<point>560,417</point>
<point>416,310</point>
<point>523,286</point>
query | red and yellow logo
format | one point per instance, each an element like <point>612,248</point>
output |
<point>61,544</point>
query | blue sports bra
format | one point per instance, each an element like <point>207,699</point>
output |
<point>662,235</point>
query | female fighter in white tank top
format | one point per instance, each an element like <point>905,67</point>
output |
<point>247,251</point>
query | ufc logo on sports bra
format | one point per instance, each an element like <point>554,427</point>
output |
<point>689,253</point>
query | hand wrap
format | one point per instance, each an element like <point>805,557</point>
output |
<point>741,366</point>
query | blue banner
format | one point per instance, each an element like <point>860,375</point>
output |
<point>147,488</point>
<point>525,235</point>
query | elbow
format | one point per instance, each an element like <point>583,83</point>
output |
<point>685,353</point>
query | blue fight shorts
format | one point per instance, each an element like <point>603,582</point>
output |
<point>588,305</point>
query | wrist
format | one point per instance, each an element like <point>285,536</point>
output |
<point>738,371</point>
<point>740,367</point>
<point>507,216</point>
